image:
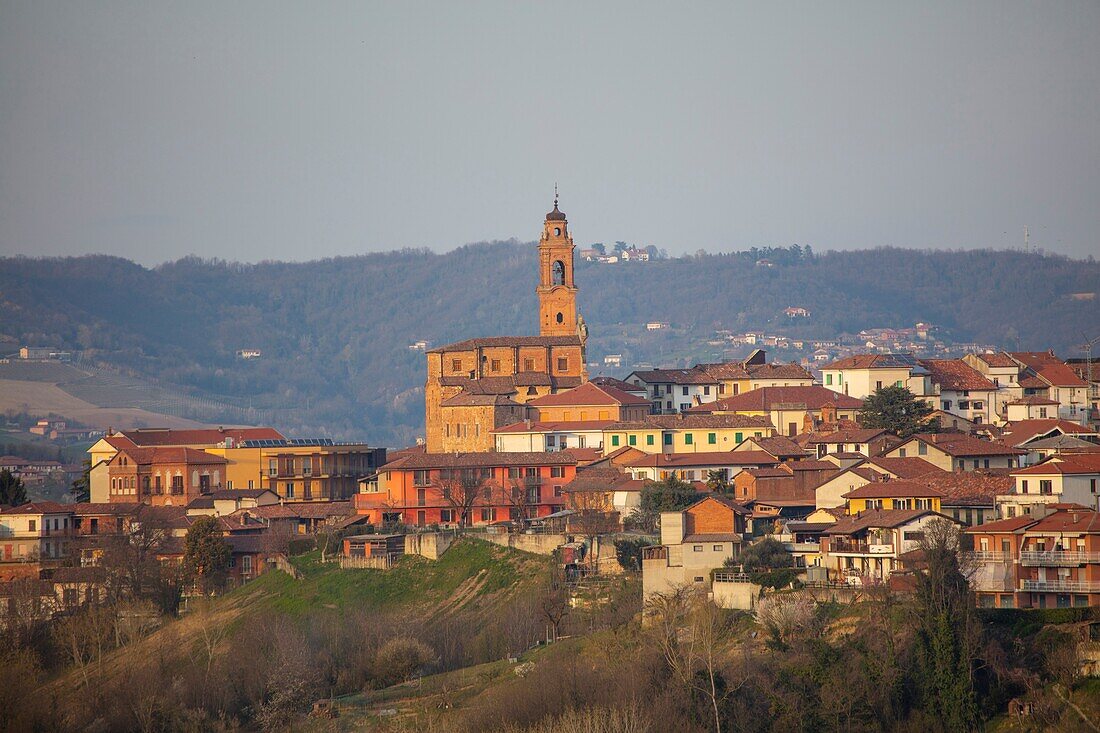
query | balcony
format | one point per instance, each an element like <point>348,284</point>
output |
<point>840,547</point>
<point>657,552</point>
<point>1058,558</point>
<point>802,546</point>
<point>731,578</point>
<point>1061,586</point>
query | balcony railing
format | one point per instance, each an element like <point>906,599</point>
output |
<point>658,552</point>
<point>1058,558</point>
<point>731,578</point>
<point>859,548</point>
<point>1061,586</point>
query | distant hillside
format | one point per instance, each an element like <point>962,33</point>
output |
<point>335,333</point>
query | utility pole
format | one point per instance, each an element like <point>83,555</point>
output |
<point>1027,238</point>
<point>1087,348</point>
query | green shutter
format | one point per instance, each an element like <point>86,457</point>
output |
<point>632,439</point>
<point>687,438</point>
<point>614,440</point>
<point>712,438</point>
<point>739,437</point>
<point>649,440</point>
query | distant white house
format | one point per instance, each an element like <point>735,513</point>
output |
<point>613,360</point>
<point>249,354</point>
<point>418,346</point>
<point>655,325</point>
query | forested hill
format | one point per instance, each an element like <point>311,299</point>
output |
<point>335,333</point>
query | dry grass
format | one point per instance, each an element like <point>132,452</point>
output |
<point>43,398</point>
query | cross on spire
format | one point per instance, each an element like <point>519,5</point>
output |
<point>555,194</point>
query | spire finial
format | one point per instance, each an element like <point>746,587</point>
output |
<point>555,194</point>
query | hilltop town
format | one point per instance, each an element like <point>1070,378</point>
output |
<point>794,494</point>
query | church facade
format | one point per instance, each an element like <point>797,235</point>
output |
<point>480,384</point>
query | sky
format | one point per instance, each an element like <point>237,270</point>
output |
<point>256,131</point>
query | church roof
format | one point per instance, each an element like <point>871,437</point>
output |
<point>507,341</point>
<point>555,215</point>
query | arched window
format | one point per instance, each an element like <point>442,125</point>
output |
<point>561,318</point>
<point>557,231</point>
<point>559,273</point>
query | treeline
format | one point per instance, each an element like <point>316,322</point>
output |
<point>335,332</point>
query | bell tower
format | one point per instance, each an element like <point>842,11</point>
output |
<point>556,290</point>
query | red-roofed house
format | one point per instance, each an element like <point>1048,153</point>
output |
<point>962,390</point>
<point>789,408</point>
<point>957,452</point>
<point>1069,478</point>
<point>32,533</point>
<point>170,476</point>
<point>866,548</point>
<point>1051,561</point>
<point>694,542</point>
<point>533,436</point>
<point>589,401</point>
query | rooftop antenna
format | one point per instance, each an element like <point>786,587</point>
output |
<point>555,194</point>
<point>1027,244</point>
<point>1087,348</point>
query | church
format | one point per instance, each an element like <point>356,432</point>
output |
<point>481,384</point>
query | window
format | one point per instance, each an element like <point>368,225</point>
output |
<point>706,389</point>
<point>531,472</point>
<point>688,438</point>
<point>421,497</point>
<point>739,438</point>
<point>456,365</point>
<point>696,548</point>
<point>667,439</point>
<point>289,491</point>
<point>975,463</point>
<point>1046,486</point>
<point>698,578</point>
<point>446,515</point>
<point>926,504</point>
<point>922,448</point>
<point>177,484</point>
<point>828,379</point>
<point>897,383</point>
<point>964,404</point>
<point>528,365</point>
<point>32,525</point>
<point>514,472</point>
<point>684,391</point>
<point>1092,485</point>
<point>947,405</point>
<point>712,438</point>
<point>979,405</point>
<point>685,406</point>
<point>273,467</point>
<point>901,453</point>
<point>494,365</point>
<point>649,439</point>
<point>557,489</point>
<point>985,463</point>
<point>421,478</point>
<point>878,384</point>
<point>614,440</point>
<point>1023,486</point>
<point>489,514</point>
<point>717,548</point>
<point>557,471</point>
<point>632,440</point>
<point>147,484</point>
<point>563,363</point>
<point>307,466</point>
<point>913,536</point>
<point>1043,414</point>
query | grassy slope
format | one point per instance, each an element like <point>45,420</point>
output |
<point>471,571</point>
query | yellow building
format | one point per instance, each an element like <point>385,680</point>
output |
<point>893,495</point>
<point>685,433</point>
<point>300,470</point>
<point>792,410</point>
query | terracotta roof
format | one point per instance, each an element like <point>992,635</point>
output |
<point>153,437</point>
<point>562,426</point>
<point>968,488</point>
<point>222,494</point>
<point>85,508</point>
<point>745,370</point>
<point>998,360</point>
<point>1063,443</point>
<point>959,445</point>
<point>168,454</point>
<point>479,460</point>
<point>675,376</point>
<point>1003,525</point>
<point>709,458</point>
<point>874,361</point>
<point>1068,520</point>
<point>600,478</point>
<point>616,383</point>
<point>957,375</point>
<point>1024,431</point>
<point>1050,368</point>
<point>904,468</point>
<point>778,445</point>
<point>847,435</point>
<point>585,456</point>
<point>737,508</point>
<point>691,422</point>
<point>590,394</point>
<point>889,489</point>
<point>771,398</point>
<point>714,537</point>
<point>464,399</point>
<point>810,465</point>
<point>299,509</point>
<point>38,507</point>
<point>507,341</point>
<point>78,575</point>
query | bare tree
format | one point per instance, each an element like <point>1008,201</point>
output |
<point>554,601</point>
<point>462,493</point>
<point>693,637</point>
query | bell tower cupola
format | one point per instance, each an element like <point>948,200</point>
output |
<point>556,290</point>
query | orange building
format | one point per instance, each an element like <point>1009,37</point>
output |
<point>480,384</point>
<point>466,488</point>
<point>163,476</point>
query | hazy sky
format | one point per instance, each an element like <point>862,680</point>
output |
<point>275,130</point>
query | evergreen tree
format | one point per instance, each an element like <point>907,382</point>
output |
<point>12,492</point>
<point>898,410</point>
<point>206,555</point>
<point>81,487</point>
